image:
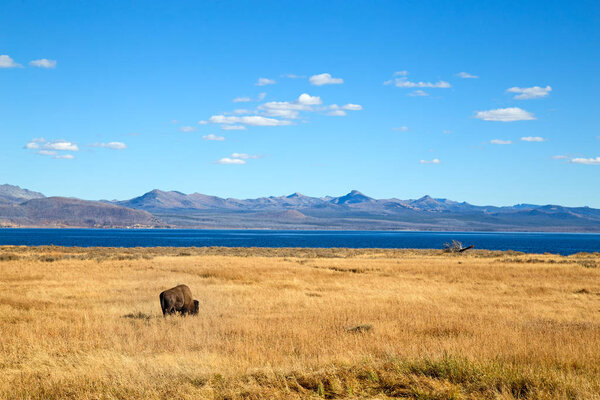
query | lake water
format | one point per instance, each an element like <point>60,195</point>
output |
<point>560,243</point>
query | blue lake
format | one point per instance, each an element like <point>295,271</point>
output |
<point>560,243</point>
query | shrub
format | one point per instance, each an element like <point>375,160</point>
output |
<point>453,247</point>
<point>9,257</point>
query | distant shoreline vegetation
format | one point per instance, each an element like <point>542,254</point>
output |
<point>525,242</point>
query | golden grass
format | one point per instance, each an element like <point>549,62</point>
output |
<point>298,323</point>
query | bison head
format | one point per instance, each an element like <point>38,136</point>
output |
<point>195,308</point>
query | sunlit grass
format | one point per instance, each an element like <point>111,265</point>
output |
<point>295,323</point>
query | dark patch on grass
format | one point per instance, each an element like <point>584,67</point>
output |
<point>314,294</point>
<point>445,332</point>
<point>588,263</point>
<point>352,270</point>
<point>9,257</point>
<point>138,315</point>
<point>364,328</point>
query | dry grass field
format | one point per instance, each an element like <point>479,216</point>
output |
<point>291,323</point>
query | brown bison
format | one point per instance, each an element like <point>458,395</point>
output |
<point>178,299</point>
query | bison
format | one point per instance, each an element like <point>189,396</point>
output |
<point>178,299</point>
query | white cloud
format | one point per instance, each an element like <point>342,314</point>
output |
<point>111,145</point>
<point>252,120</point>
<point>434,161</point>
<point>7,62</point>
<point>446,131</point>
<point>586,161</point>
<point>53,148</point>
<point>231,161</point>
<point>307,99</point>
<point>532,139</point>
<point>405,83</point>
<point>261,96</point>
<point>278,113</point>
<point>233,127</point>
<point>56,145</point>
<point>32,146</point>
<point>283,109</point>
<point>213,137</point>
<point>237,158</point>
<point>64,146</point>
<point>466,75</point>
<point>307,103</point>
<point>35,143</point>
<point>290,110</point>
<point>294,76</point>
<point>500,141</point>
<point>242,99</point>
<point>324,79</point>
<point>264,82</point>
<point>55,154</point>
<point>188,129</point>
<point>400,73</point>
<point>43,63</point>
<point>534,92</point>
<point>244,156</point>
<point>418,93</point>
<point>560,157</point>
<point>337,113</point>
<point>505,115</point>
<point>282,113</point>
<point>47,153</point>
<point>401,129</point>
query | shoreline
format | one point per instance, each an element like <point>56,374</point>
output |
<point>302,252</point>
<point>563,243</point>
<point>320,229</point>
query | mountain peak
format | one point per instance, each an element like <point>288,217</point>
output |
<point>352,198</point>
<point>295,195</point>
<point>15,194</point>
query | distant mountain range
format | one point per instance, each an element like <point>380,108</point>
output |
<point>353,211</point>
<point>23,208</point>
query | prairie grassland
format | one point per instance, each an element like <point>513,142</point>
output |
<point>298,323</point>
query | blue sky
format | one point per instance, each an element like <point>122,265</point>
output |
<point>486,102</point>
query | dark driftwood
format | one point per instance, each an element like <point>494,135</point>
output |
<point>466,248</point>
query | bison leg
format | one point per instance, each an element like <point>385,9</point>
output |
<point>163,306</point>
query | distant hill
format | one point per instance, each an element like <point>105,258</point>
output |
<point>10,194</point>
<point>69,212</point>
<point>352,211</point>
<point>356,210</point>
